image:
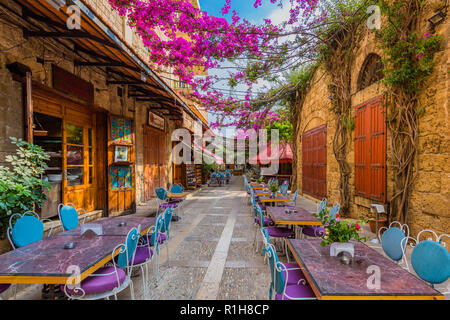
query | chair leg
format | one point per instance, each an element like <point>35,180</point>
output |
<point>131,290</point>
<point>144,280</point>
<point>167,251</point>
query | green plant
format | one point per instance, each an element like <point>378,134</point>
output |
<point>260,179</point>
<point>21,185</point>
<point>273,187</point>
<point>408,63</point>
<point>337,230</point>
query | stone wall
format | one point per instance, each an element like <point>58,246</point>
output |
<point>431,194</point>
<point>105,96</point>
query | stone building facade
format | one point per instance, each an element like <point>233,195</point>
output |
<point>41,54</point>
<point>430,197</point>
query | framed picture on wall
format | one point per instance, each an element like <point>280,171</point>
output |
<point>121,154</point>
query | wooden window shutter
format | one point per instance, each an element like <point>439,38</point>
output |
<point>377,151</point>
<point>370,150</point>
<point>361,161</point>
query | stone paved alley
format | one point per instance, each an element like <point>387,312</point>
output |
<point>211,251</point>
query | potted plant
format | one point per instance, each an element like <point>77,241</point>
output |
<point>21,184</point>
<point>339,232</point>
<point>273,187</point>
<point>260,180</point>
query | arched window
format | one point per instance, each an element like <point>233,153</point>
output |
<point>371,71</point>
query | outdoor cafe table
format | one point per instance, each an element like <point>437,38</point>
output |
<point>300,218</point>
<point>265,193</point>
<point>332,280</point>
<point>47,262</point>
<point>258,186</point>
<point>297,219</point>
<point>177,195</point>
<point>277,199</point>
<point>116,227</point>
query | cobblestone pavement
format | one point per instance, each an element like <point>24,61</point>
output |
<point>211,252</point>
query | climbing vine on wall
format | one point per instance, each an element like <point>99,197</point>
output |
<point>408,61</point>
<point>295,103</point>
<point>338,56</point>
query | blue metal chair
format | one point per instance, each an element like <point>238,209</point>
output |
<point>177,188</point>
<point>293,202</point>
<point>163,203</point>
<point>393,242</point>
<point>154,239</point>
<point>25,229</point>
<point>284,188</point>
<point>288,283</point>
<point>431,262</point>
<point>112,278</point>
<point>274,232</point>
<point>322,205</point>
<point>69,216</point>
<point>319,231</point>
<point>430,258</point>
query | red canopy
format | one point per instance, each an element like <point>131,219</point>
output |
<point>265,156</point>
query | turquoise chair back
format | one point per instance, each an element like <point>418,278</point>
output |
<point>284,188</point>
<point>167,219</point>
<point>157,228</point>
<point>276,275</point>
<point>260,216</point>
<point>431,261</point>
<point>176,189</point>
<point>322,205</point>
<point>334,211</point>
<point>126,255</point>
<point>391,241</point>
<point>26,230</point>
<point>294,199</point>
<point>161,193</point>
<point>69,217</point>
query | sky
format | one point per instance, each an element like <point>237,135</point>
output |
<point>245,10</point>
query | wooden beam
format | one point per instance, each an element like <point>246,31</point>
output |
<point>105,64</point>
<point>71,34</point>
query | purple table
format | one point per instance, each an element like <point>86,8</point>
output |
<point>112,227</point>
<point>333,280</point>
<point>278,198</point>
<point>47,261</point>
<point>300,218</point>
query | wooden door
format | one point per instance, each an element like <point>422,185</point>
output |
<point>154,161</point>
<point>121,174</point>
<point>314,162</point>
<point>79,184</point>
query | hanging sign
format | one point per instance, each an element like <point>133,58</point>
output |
<point>155,121</point>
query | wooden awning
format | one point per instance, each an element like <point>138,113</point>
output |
<point>97,45</point>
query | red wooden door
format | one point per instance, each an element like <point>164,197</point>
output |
<point>314,162</point>
<point>370,150</point>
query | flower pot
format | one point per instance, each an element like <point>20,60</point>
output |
<point>337,247</point>
<point>381,223</point>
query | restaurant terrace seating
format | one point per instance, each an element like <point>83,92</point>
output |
<point>288,281</point>
<point>69,216</point>
<point>112,278</point>
<point>394,241</point>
